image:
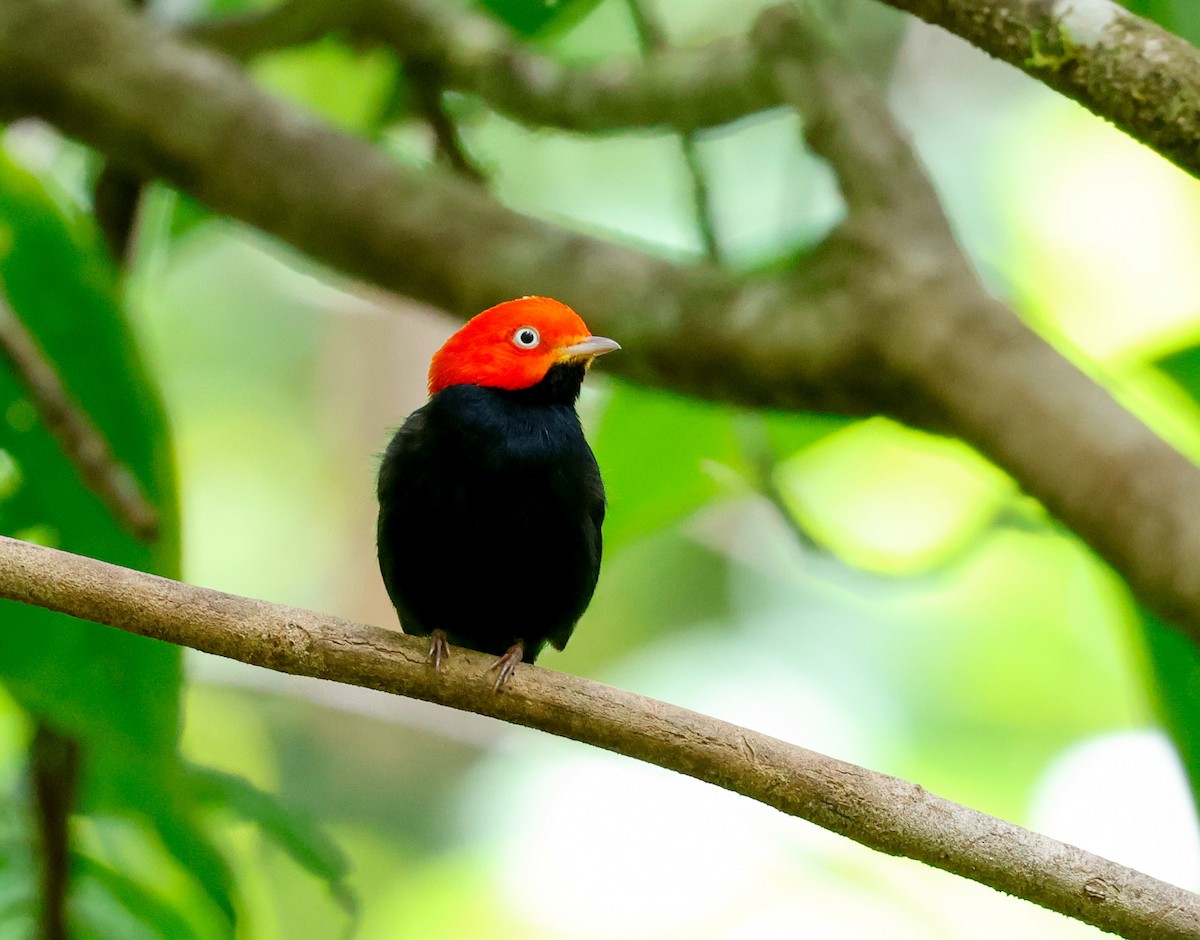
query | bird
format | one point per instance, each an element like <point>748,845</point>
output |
<point>490,499</point>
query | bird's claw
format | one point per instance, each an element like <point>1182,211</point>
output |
<point>507,664</point>
<point>439,648</point>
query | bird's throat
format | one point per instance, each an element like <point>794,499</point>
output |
<point>559,386</point>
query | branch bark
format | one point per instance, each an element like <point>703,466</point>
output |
<point>882,812</point>
<point>1119,66</point>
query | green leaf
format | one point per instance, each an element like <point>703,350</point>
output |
<point>145,906</point>
<point>184,837</point>
<point>1181,17</point>
<point>87,680</point>
<point>532,17</point>
<point>350,89</point>
<point>789,434</point>
<point>1185,19</point>
<point>1174,663</point>
<point>657,453</point>
<point>187,214</point>
<point>301,838</point>
<point>1184,367</point>
<point>226,7</point>
<point>118,694</point>
<point>892,500</point>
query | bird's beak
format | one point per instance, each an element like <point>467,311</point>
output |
<point>589,348</point>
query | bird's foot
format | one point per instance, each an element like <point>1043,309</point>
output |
<point>439,648</point>
<point>507,663</point>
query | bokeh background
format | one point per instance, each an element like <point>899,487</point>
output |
<point>855,587</point>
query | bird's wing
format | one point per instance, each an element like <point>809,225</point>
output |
<point>596,505</point>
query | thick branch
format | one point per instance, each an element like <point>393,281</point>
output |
<point>1122,67</point>
<point>1012,400</point>
<point>80,440</point>
<point>176,113</point>
<point>879,811</point>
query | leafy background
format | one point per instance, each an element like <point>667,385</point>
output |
<point>856,587</point>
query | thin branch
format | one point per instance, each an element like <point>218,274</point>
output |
<point>879,811</point>
<point>81,441</point>
<point>702,201</point>
<point>54,761</point>
<point>653,40</point>
<point>424,78</point>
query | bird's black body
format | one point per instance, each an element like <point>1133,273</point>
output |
<point>490,507</point>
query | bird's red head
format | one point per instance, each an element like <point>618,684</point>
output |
<point>513,345</point>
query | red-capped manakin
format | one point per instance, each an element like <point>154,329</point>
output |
<point>490,500</point>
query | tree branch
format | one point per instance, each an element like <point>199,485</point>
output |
<point>54,760</point>
<point>879,811</point>
<point>425,79</point>
<point>683,89</point>
<point>848,123</point>
<point>687,89</point>
<point>652,37</point>
<point>1122,67</point>
<point>80,440</point>
<point>1119,66</point>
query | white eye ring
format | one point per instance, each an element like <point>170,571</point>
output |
<point>526,337</point>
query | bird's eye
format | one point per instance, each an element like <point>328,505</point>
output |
<point>527,337</point>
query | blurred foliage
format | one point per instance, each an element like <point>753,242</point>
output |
<point>855,586</point>
<point>534,17</point>
<point>1181,17</point>
<point>1176,677</point>
<point>117,694</point>
<point>348,88</point>
<point>684,441</point>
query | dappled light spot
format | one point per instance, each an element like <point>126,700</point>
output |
<point>21,415</point>
<point>40,534</point>
<point>10,474</point>
<point>892,500</point>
